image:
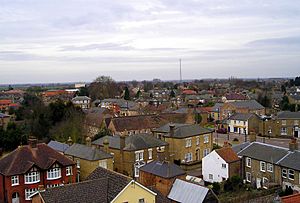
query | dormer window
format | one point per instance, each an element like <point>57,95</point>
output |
<point>33,176</point>
<point>54,172</point>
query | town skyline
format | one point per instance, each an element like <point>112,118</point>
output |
<point>141,41</point>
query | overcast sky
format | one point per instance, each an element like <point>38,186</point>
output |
<point>77,40</point>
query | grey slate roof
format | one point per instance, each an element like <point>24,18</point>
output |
<point>80,98</point>
<point>87,153</point>
<point>288,115</point>
<point>237,148</point>
<point>242,116</point>
<point>186,192</point>
<point>183,130</point>
<point>58,146</point>
<point>264,152</point>
<point>292,160</point>
<point>163,169</point>
<point>132,142</point>
<point>115,181</point>
<point>217,107</point>
<point>87,191</point>
<point>251,104</point>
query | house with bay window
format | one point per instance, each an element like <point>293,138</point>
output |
<point>30,167</point>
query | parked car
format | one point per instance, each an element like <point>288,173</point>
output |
<point>222,131</point>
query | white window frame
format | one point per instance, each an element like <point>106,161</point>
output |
<point>54,173</point>
<point>248,177</point>
<point>188,157</point>
<point>69,171</point>
<point>289,173</point>
<point>284,173</point>
<point>33,176</point>
<point>205,152</point>
<point>188,142</point>
<point>248,162</point>
<point>206,139</point>
<point>15,180</point>
<point>263,182</point>
<point>270,167</point>
<point>283,122</point>
<point>262,166</point>
<point>29,192</point>
<point>150,154</point>
<point>296,122</point>
<point>136,172</point>
<point>197,140</point>
<point>139,155</point>
<point>103,163</point>
<point>283,132</point>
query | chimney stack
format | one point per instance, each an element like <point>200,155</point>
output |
<point>106,144</point>
<point>88,141</point>
<point>122,146</point>
<point>226,144</point>
<point>70,141</point>
<point>32,141</point>
<point>293,144</point>
<point>252,137</point>
<point>172,129</point>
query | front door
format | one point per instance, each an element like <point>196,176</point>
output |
<point>15,198</point>
<point>258,183</point>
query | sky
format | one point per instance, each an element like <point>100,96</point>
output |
<point>78,40</point>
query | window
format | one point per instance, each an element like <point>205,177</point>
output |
<point>188,157</point>
<point>197,140</point>
<point>149,154</point>
<point>283,131</point>
<point>283,122</point>
<point>270,167</point>
<point>284,173</point>
<point>78,163</point>
<point>136,172</point>
<point>248,162</point>
<point>142,200</point>
<point>68,170</point>
<point>262,166</point>
<point>210,176</point>
<point>248,177</point>
<point>33,176</point>
<point>29,192</point>
<point>54,173</point>
<point>205,152</point>
<point>54,185</point>
<point>103,163</point>
<point>291,174</point>
<point>139,155</point>
<point>14,180</point>
<point>223,165</point>
<point>265,182</point>
<point>296,122</point>
<point>206,139</point>
<point>188,142</point>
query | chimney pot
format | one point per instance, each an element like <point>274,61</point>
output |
<point>293,144</point>
<point>32,141</point>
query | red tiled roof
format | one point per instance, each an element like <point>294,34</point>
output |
<point>228,154</point>
<point>295,198</point>
<point>24,157</point>
<point>54,93</point>
<point>189,92</point>
<point>205,109</point>
<point>5,102</point>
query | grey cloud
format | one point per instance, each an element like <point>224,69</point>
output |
<point>103,46</point>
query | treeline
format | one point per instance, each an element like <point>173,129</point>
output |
<point>57,121</point>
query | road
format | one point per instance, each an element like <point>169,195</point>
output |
<point>221,138</point>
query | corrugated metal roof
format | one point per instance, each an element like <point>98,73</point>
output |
<point>186,192</point>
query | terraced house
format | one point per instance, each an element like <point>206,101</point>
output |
<point>30,167</point>
<point>265,165</point>
<point>188,143</point>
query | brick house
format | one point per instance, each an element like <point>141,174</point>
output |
<point>265,165</point>
<point>247,106</point>
<point>141,123</point>
<point>32,166</point>
<point>286,124</point>
<point>131,152</point>
<point>188,143</point>
<point>160,174</point>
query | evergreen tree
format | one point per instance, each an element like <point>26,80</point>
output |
<point>127,94</point>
